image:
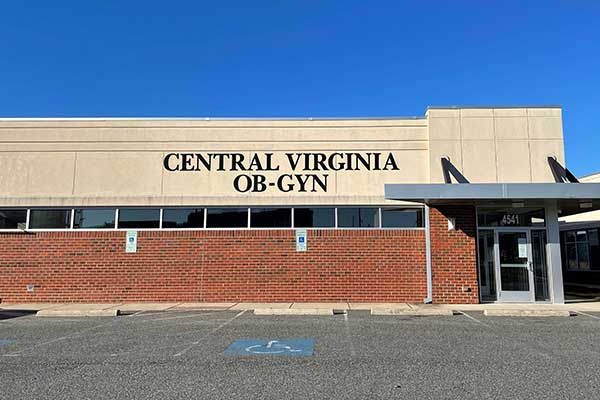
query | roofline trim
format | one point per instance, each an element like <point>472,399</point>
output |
<point>208,118</point>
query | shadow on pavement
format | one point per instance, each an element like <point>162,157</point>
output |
<point>9,314</point>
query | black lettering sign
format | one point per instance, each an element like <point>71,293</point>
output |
<point>309,170</point>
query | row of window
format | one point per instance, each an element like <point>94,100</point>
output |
<point>581,249</point>
<point>211,217</point>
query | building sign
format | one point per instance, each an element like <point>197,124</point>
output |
<point>301,240</point>
<point>308,172</point>
<point>131,242</point>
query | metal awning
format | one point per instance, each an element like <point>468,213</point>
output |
<point>571,198</point>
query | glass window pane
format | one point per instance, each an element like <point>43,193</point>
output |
<point>227,218</point>
<point>355,217</point>
<point>50,219</point>
<point>401,218</point>
<point>139,218</point>
<point>183,218</point>
<point>508,216</point>
<point>314,217</point>
<point>583,256</point>
<point>570,236</point>
<point>594,249</point>
<point>13,219</point>
<point>271,218</point>
<point>572,256</point>
<point>487,272</point>
<point>94,218</point>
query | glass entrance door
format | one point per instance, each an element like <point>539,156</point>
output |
<point>514,266</point>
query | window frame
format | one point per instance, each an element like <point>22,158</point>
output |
<point>566,243</point>
<point>92,229</point>
<point>162,214</point>
<point>70,228</point>
<point>118,215</point>
<point>290,208</point>
<point>26,209</point>
<point>205,222</point>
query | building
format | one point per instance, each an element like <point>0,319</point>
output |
<point>581,250</point>
<point>458,206</point>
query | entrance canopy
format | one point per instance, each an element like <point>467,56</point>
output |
<point>571,198</point>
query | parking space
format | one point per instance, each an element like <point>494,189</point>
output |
<point>184,354</point>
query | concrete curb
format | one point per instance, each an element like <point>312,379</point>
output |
<point>78,313</point>
<point>293,311</point>
<point>528,313</point>
<point>417,312</point>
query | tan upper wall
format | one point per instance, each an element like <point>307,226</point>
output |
<point>496,144</point>
<point>120,161</point>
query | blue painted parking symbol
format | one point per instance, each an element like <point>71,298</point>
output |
<point>279,347</point>
<point>4,342</point>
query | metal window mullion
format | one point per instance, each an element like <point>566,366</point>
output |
<point>249,218</point>
<point>336,217</point>
<point>205,217</point>
<point>160,218</point>
<point>27,218</point>
<point>293,222</point>
<point>116,218</point>
<point>380,221</point>
<point>72,218</point>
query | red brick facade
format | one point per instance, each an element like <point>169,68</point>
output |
<point>244,265</point>
<point>454,255</point>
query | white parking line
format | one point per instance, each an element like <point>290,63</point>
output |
<point>347,327</point>
<point>185,316</point>
<point>76,334</point>
<point>473,318</point>
<point>588,315</point>
<point>182,352</point>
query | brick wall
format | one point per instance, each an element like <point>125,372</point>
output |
<point>245,265</point>
<point>454,255</point>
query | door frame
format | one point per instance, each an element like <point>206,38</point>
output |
<point>515,298</point>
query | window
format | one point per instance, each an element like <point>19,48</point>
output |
<point>355,217</point>
<point>13,219</point>
<point>94,218</point>
<point>139,218</point>
<point>227,217</point>
<point>271,218</point>
<point>581,250</point>
<point>50,219</point>
<point>315,217</point>
<point>183,218</point>
<point>401,218</point>
<point>509,216</point>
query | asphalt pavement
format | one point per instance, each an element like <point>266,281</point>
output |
<point>181,355</point>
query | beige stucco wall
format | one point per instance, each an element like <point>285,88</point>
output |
<point>120,161</point>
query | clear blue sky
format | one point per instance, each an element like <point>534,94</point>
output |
<point>303,58</point>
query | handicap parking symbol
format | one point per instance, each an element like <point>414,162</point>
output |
<point>275,347</point>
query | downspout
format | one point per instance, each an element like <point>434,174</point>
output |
<point>429,297</point>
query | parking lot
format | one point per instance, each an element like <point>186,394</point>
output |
<point>159,355</point>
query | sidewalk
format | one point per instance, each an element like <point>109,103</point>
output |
<point>108,309</point>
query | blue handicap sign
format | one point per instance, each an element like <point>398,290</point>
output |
<point>4,342</point>
<point>274,347</point>
<point>301,239</point>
